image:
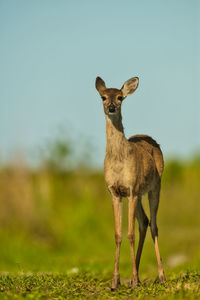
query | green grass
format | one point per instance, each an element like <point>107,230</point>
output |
<point>88,285</point>
<point>57,236</point>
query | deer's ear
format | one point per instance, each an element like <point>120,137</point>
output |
<point>100,85</point>
<point>130,86</point>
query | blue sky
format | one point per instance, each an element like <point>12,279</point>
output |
<point>52,51</point>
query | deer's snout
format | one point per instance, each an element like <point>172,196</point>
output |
<point>111,108</point>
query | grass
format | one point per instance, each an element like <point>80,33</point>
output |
<point>57,236</point>
<point>87,285</point>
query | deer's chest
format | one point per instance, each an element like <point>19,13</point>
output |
<point>118,178</point>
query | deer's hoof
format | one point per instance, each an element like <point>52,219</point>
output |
<point>134,283</point>
<point>162,277</point>
<point>115,283</point>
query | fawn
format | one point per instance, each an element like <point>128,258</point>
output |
<point>132,168</point>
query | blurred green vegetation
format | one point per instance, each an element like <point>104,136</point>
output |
<point>58,218</point>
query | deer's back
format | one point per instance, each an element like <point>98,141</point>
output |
<point>152,147</point>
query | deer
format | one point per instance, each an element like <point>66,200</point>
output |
<point>132,168</point>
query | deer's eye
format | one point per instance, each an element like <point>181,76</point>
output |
<point>120,98</point>
<point>103,98</point>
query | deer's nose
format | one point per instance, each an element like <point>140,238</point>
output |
<point>111,107</point>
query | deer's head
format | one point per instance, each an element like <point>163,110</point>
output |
<point>112,98</point>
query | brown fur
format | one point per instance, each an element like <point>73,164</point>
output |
<point>150,145</point>
<point>136,163</point>
<point>132,168</point>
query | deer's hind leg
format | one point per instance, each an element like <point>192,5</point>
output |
<point>154,197</point>
<point>132,204</point>
<point>143,224</point>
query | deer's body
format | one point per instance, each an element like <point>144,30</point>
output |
<point>132,168</point>
<point>136,163</point>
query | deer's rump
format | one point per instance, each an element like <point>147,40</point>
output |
<point>152,147</point>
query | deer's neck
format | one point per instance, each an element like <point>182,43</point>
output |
<point>116,142</point>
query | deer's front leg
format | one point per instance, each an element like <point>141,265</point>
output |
<point>117,210</point>
<point>132,203</point>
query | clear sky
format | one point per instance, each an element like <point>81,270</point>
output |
<point>52,51</point>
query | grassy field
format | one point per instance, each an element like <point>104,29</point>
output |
<point>57,236</point>
<point>87,285</point>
